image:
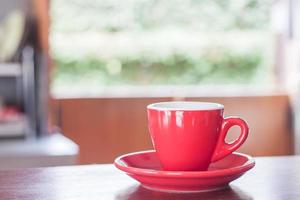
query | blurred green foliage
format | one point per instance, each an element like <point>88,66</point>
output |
<point>215,64</point>
<point>116,15</point>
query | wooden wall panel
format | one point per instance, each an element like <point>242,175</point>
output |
<point>105,128</point>
<point>269,119</point>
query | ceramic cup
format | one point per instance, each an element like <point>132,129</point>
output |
<point>188,136</point>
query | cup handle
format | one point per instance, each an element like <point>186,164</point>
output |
<point>223,149</point>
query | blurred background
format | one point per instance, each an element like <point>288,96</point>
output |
<point>76,76</point>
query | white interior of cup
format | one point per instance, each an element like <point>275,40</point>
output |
<point>185,105</point>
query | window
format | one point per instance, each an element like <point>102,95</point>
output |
<point>98,43</point>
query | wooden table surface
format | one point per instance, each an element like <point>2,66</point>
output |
<point>272,178</point>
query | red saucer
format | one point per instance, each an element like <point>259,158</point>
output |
<point>145,168</point>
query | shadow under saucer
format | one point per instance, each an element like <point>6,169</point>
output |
<point>138,192</point>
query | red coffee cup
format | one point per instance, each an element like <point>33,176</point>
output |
<point>188,136</point>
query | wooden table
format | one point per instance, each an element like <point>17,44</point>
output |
<point>272,178</point>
